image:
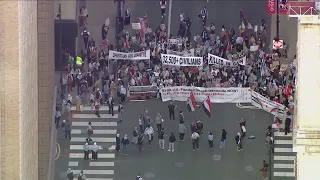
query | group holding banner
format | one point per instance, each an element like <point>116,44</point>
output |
<point>143,55</point>
<point>216,60</point>
<point>223,95</point>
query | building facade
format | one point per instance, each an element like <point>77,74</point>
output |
<point>26,90</point>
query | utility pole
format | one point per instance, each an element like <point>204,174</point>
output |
<point>60,61</point>
<point>278,22</point>
<point>169,18</point>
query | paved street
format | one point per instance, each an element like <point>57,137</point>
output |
<point>157,164</point>
<point>105,129</point>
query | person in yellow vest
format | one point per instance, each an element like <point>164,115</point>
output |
<point>79,61</point>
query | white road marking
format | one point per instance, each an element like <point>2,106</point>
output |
<point>284,174</point>
<point>112,148</point>
<point>103,108</point>
<point>73,164</point>
<point>284,158</point>
<point>98,131</point>
<point>100,155</point>
<point>94,139</point>
<point>93,116</point>
<point>80,147</point>
<point>105,172</point>
<point>284,166</point>
<point>95,124</point>
<point>282,134</point>
<point>282,149</point>
<point>97,163</point>
<point>283,142</point>
<point>95,178</point>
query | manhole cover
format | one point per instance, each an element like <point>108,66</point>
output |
<point>216,157</point>
<point>248,168</point>
<point>179,164</point>
<point>149,175</point>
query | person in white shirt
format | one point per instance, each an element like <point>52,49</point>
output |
<point>195,141</point>
<point>123,93</point>
<point>92,97</point>
<point>149,132</point>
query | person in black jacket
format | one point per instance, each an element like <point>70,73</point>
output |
<point>287,124</point>
<point>161,135</point>
<point>125,142</point>
<point>172,139</point>
<point>223,138</point>
<point>238,142</point>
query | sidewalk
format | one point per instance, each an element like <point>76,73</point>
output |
<point>288,33</point>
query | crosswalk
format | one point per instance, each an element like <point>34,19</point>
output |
<point>104,133</point>
<point>284,158</point>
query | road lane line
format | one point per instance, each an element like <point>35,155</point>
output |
<point>101,164</point>
<point>112,148</point>
<point>58,151</point>
<point>100,155</point>
<point>283,150</point>
<point>73,164</point>
<point>103,108</point>
<point>80,147</point>
<point>94,139</point>
<point>284,174</point>
<point>97,172</point>
<point>284,166</point>
<point>286,142</point>
<point>93,116</point>
<point>98,131</point>
<point>279,134</point>
<point>95,124</point>
<point>284,158</point>
<point>95,178</point>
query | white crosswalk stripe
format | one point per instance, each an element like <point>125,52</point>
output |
<point>104,133</point>
<point>284,158</point>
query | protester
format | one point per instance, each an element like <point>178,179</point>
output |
<point>125,142</point>
<point>86,151</point>
<point>210,140</point>
<point>182,131</point>
<point>161,135</point>
<point>223,138</point>
<point>238,142</point>
<point>195,141</point>
<point>172,140</point>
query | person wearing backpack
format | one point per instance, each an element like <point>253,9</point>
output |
<point>81,176</point>
<point>89,130</point>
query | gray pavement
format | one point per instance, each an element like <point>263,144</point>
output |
<point>158,164</point>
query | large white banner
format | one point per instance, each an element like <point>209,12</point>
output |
<point>216,60</point>
<point>216,94</point>
<point>143,55</point>
<point>174,60</point>
<point>183,53</point>
<point>266,104</point>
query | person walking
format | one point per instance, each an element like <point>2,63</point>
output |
<point>242,124</point>
<point>172,140</point>
<point>238,142</point>
<point>111,105</point>
<point>89,131</point>
<point>159,122</point>
<point>161,135</point>
<point>86,151</point>
<point>149,132</point>
<point>95,148</point>
<point>140,141</point>
<point>195,141</point>
<point>69,174</point>
<point>81,176</point>
<point>135,133</point>
<point>67,130</point>
<point>264,170</point>
<point>125,143</point>
<point>287,124</point>
<point>120,112</point>
<point>181,117</point>
<point>223,138</point>
<point>182,131</point>
<point>210,140</point>
<point>118,142</point>
<point>97,107</point>
<point>85,34</point>
<point>171,108</point>
<point>57,117</point>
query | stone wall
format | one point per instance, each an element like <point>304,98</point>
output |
<point>10,99</point>
<point>45,81</point>
<point>28,73</point>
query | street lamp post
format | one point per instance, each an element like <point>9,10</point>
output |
<point>60,61</point>
<point>278,21</point>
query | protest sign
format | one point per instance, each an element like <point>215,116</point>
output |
<point>174,60</point>
<point>143,92</point>
<point>216,60</point>
<point>136,26</point>
<point>216,94</point>
<point>143,55</point>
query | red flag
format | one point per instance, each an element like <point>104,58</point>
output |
<point>287,90</point>
<point>207,106</point>
<point>191,102</point>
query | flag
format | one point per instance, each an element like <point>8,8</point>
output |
<point>207,106</point>
<point>242,21</point>
<point>228,49</point>
<point>287,90</point>
<point>191,102</point>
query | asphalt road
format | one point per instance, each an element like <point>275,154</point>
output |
<point>225,13</point>
<point>154,163</point>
